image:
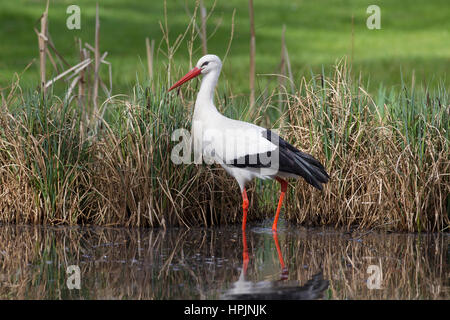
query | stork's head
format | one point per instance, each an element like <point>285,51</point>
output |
<point>205,65</point>
<point>208,63</point>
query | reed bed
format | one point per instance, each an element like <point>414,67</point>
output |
<point>388,156</point>
<point>56,170</point>
<point>388,159</point>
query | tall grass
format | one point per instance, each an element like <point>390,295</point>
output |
<point>55,168</point>
<point>388,158</point>
<point>43,155</point>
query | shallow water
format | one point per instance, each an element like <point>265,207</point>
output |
<point>220,263</point>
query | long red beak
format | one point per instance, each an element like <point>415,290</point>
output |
<point>190,75</point>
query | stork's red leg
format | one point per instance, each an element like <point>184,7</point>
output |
<point>244,208</point>
<point>284,270</point>
<point>245,258</point>
<point>280,202</point>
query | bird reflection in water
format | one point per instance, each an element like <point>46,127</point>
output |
<point>274,290</point>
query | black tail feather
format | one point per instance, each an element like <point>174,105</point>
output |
<point>310,169</point>
<point>291,160</point>
<point>300,163</point>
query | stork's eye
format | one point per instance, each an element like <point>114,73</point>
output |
<point>204,64</point>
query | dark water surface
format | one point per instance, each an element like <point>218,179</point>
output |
<point>220,263</point>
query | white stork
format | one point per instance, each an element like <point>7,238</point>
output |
<point>244,150</point>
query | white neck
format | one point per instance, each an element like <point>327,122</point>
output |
<point>205,96</point>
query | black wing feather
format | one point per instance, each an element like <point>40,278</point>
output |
<point>291,160</point>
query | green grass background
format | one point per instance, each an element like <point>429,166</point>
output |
<point>414,35</point>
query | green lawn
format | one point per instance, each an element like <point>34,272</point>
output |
<point>414,35</point>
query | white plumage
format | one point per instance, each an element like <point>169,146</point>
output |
<point>246,151</point>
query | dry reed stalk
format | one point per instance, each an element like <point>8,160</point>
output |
<point>108,91</point>
<point>75,69</point>
<point>82,81</point>
<point>203,28</point>
<point>353,41</point>
<point>150,54</point>
<point>88,77</point>
<point>195,31</point>
<point>52,61</point>
<point>61,59</point>
<point>42,39</point>
<point>252,54</point>
<point>289,70</point>
<point>282,80</point>
<point>282,71</point>
<point>96,61</point>
<point>231,37</point>
<point>172,48</point>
